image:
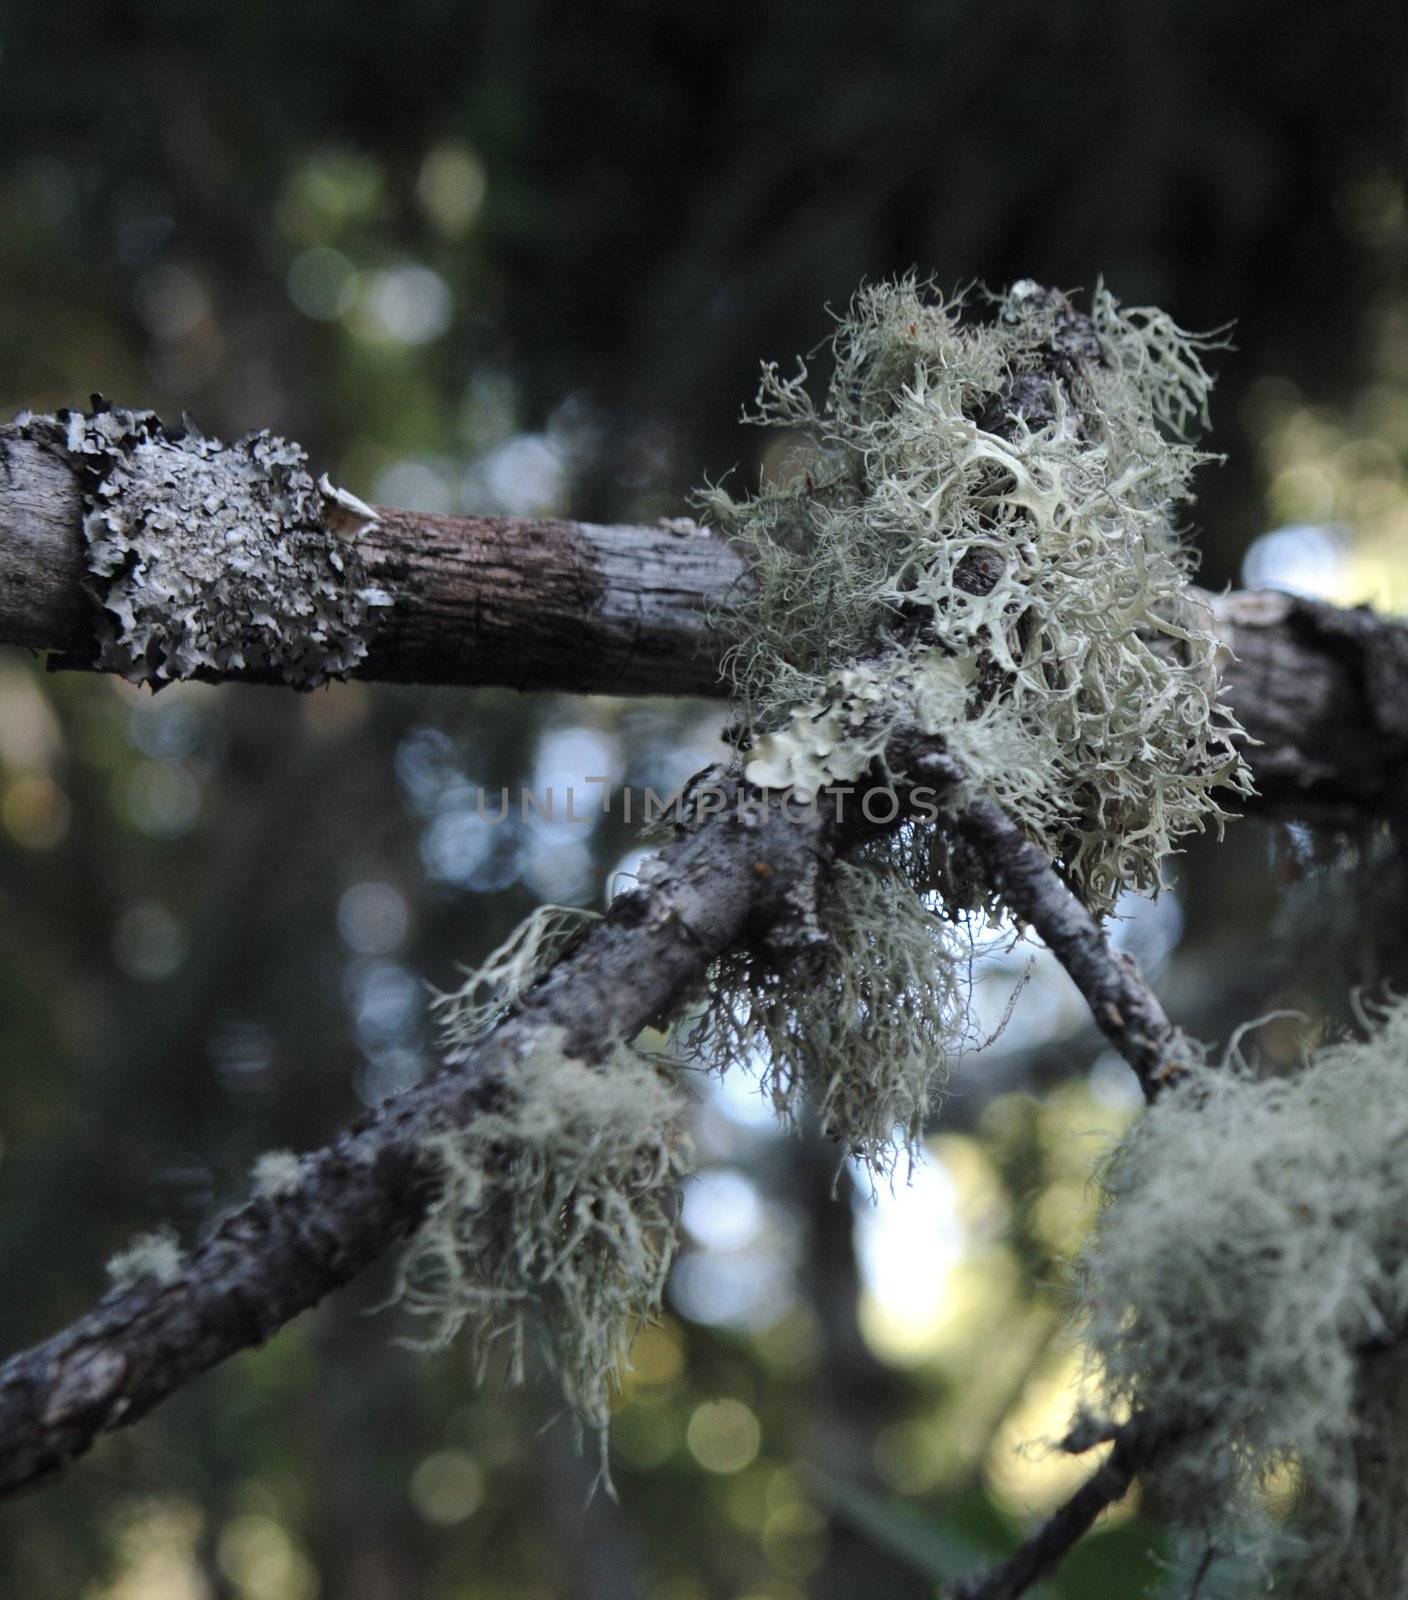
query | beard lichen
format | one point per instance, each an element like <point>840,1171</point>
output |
<point>862,1028</point>
<point>554,1221</point>
<point>1245,1280</point>
<point>493,988</point>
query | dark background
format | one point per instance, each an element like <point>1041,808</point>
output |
<point>525,256</point>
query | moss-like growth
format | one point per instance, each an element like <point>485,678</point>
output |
<point>554,1222</point>
<point>993,503</point>
<point>275,1173</point>
<point>1251,1258</point>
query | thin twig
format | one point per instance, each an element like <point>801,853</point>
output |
<point>1124,1007</point>
<point>1135,1445</point>
<point>1204,1567</point>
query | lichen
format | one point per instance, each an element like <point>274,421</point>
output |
<point>993,503</point>
<point>554,1223</point>
<point>1249,1264</point>
<point>275,1173</point>
<point>506,973</point>
<point>206,559</point>
<point>155,1255</point>
<point>862,1028</point>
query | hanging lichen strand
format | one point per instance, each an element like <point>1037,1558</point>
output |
<point>554,1224</point>
<point>1243,1287</point>
<point>977,543</point>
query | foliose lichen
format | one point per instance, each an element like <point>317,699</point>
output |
<point>210,559</point>
<point>1246,1281</point>
<point>554,1222</point>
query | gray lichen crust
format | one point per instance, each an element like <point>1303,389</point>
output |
<point>208,559</point>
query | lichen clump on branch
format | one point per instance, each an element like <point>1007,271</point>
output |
<point>994,503</point>
<point>980,548</point>
<point>554,1223</point>
<point>979,544</point>
<point>1247,1277</point>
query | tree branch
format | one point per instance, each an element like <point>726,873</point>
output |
<point>747,872</point>
<point>1135,1445</point>
<point>552,604</point>
<point>1124,1007</point>
<point>533,604</point>
<point>354,1199</point>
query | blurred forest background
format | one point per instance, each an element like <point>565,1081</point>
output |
<point>522,256</point>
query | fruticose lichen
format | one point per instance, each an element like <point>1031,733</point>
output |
<point>492,989</point>
<point>150,1255</point>
<point>554,1224</point>
<point>980,549</point>
<point>863,1029</point>
<point>1246,1277</point>
<point>978,544</point>
<point>208,559</point>
<point>983,528</point>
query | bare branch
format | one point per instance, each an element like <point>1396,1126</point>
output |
<point>1125,1009</point>
<point>1135,1445</point>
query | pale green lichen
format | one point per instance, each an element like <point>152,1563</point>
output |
<point>506,974</point>
<point>1252,1256</point>
<point>275,1173</point>
<point>970,497</point>
<point>156,1255</point>
<point>554,1223</point>
<point>863,1028</point>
